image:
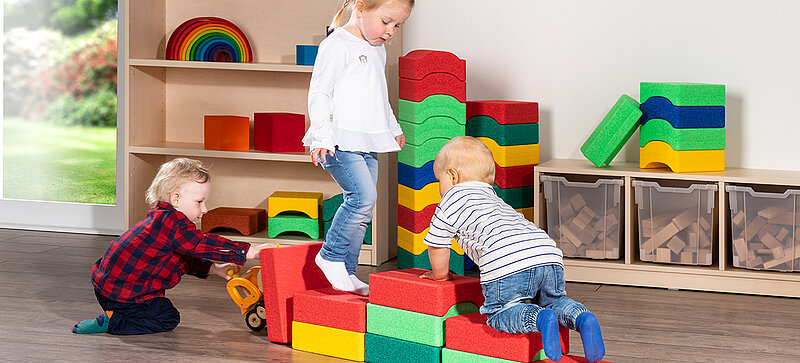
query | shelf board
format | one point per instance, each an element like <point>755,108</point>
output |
<point>697,270</point>
<point>230,66</point>
<point>197,150</point>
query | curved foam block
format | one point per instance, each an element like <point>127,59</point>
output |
<point>433,127</point>
<point>684,94</point>
<point>412,326</point>
<point>505,112</point>
<point>292,223</point>
<point>682,116</point>
<point>245,220</point>
<point>504,135</point>
<point>682,138</point>
<point>432,106</point>
<point>415,178</point>
<point>413,242</point>
<point>415,221</point>
<point>308,203</point>
<point>418,155</point>
<point>421,62</point>
<point>513,176</point>
<point>417,200</point>
<point>656,154</point>
<point>613,131</point>
<point>517,198</point>
<point>433,84</point>
<point>422,295</point>
<point>330,206</point>
<point>514,155</point>
<point>406,259</point>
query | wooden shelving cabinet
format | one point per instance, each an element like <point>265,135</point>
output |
<point>630,270</point>
<point>165,102</point>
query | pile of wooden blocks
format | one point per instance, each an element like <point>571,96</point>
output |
<point>669,238</point>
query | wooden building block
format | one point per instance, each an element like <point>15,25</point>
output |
<point>308,203</point>
<point>663,255</point>
<point>752,228</point>
<point>278,131</point>
<point>433,84</point>
<point>421,295</point>
<point>331,308</point>
<point>226,132</point>
<point>676,244</point>
<point>328,341</point>
<point>686,218</point>
<point>687,257</point>
<point>771,242</point>
<point>505,112</point>
<point>421,62</point>
<point>789,254</point>
<point>782,234</point>
<point>738,218</point>
<point>245,220</point>
<point>662,236</point>
<point>577,202</point>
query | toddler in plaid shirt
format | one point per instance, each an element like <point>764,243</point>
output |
<point>131,277</point>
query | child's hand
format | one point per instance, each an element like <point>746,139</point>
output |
<point>254,250</point>
<point>321,153</point>
<point>431,276</point>
<point>401,140</point>
<point>221,269</point>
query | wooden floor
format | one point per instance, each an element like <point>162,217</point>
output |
<point>45,289</point>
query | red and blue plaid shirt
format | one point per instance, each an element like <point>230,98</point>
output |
<point>153,255</point>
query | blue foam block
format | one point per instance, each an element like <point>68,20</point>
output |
<point>415,178</point>
<point>306,54</point>
<point>682,117</point>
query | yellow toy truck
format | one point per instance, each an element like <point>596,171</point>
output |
<point>245,292</point>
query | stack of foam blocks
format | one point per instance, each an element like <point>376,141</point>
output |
<point>294,212</point>
<point>329,208</point>
<point>682,126</point>
<point>432,111</point>
<point>510,129</point>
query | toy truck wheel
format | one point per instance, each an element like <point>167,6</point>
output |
<point>253,321</point>
<point>260,310</point>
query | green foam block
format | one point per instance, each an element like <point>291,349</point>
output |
<point>434,127</point>
<point>683,138</point>
<point>406,260</point>
<point>684,94</point>
<point>412,326</point>
<point>290,222</point>
<point>367,236</point>
<point>418,155</point>
<point>381,349</point>
<point>457,356</point>
<point>330,206</point>
<point>432,106</point>
<point>613,131</point>
<point>520,197</point>
<point>503,135</point>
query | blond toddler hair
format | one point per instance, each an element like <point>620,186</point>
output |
<point>348,5</point>
<point>171,175</point>
<point>467,155</point>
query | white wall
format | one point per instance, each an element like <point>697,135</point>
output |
<point>576,57</point>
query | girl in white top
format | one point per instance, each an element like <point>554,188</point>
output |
<point>352,121</point>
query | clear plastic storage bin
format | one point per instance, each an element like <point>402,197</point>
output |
<point>676,225</point>
<point>584,218</point>
<point>764,229</point>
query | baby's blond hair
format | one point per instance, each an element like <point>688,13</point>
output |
<point>348,5</point>
<point>467,155</point>
<point>172,175</point>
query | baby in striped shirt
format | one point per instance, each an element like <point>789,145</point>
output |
<point>521,268</point>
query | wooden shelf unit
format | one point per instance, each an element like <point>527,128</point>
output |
<point>721,276</point>
<point>165,101</point>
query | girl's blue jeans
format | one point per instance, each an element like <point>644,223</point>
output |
<point>513,302</point>
<point>357,175</point>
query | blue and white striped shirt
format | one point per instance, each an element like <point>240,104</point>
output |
<point>498,238</point>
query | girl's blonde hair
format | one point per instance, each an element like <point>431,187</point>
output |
<point>171,175</point>
<point>467,155</point>
<point>349,5</point>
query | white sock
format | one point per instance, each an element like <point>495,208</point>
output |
<point>336,273</point>
<point>360,287</point>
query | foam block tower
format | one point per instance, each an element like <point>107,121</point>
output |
<point>294,212</point>
<point>432,111</point>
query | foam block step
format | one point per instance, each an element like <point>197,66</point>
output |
<point>421,62</point>
<point>306,54</point>
<point>416,178</point>
<point>245,220</point>
<point>434,127</point>
<point>279,131</point>
<point>656,154</point>
<point>413,242</point>
<point>412,326</point>
<point>288,222</point>
<point>432,106</point>
<point>457,356</point>
<point>433,84</point>
<point>408,260</point>
<point>330,206</point>
<point>328,341</point>
<point>226,132</point>
<point>415,221</point>
<point>613,132</point>
<point>504,135</point>
<point>417,200</point>
<point>682,116</point>
<point>418,155</point>
<point>681,138</point>
<point>331,308</point>
<point>469,333</point>
<point>380,349</point>
<point>284,272</point>
<point>517,198</point>
<point>308,203</point>
<point>515,155</point>
<point>513,176</point>
<point>505,112</point>
<point>421,295</point>
<point>684,94</point>
<point>367,234</point>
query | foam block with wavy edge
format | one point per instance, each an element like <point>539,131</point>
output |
<point>684,94</point>
<point>421,62</point>
<point>682,116</point>
<point>505,112</point>
<point>406,260</point>
<point>433,127</point>
<point>517,198</point>
<point>613,131</point>
<point>657,154</point>
<point>432,84</point>
<point>432,106</point>
<point>504,135</point>
<point>308,203</point>
<point>514,155</point>
<point>417,178</point>
<point>413,242</point>
<point>418,155</point>
<point>682,139</point>
<point>293,222</point>
<point>513,176</point>
<point>417,200</point>
<point>415,221</point>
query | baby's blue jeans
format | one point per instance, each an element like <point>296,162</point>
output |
<point>357,175</point>
<point>513,302</point>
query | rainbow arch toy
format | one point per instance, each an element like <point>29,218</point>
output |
<point>209,39</point>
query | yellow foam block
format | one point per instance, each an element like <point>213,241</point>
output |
<point>417,200</point>
<point>527,212</point>
<point>656,154</point>
<point>328,341</point>
<point>512,155</point>
<point>412,242</point>
<point>305,202</point>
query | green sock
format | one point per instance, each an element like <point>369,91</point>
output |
<point>91,326</point>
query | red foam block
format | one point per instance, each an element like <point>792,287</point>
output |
<point>421,62</point>
<point>278,131</point>
<point>331,308</point>
<point>469,333</point>
<point>513,176</point>
<point>403,289</point>
<point>433,84</point>
<point>413,221</point>
<point>286,271</point>
<point>505,112</point>
<point>245,220</point>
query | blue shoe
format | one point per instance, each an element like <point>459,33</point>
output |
<point>547,324</point>
<point>91,326</point>
<point>592,338</point>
